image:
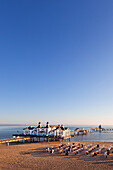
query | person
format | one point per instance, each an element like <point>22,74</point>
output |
<point>66,152</point>
<point>105,154</point>
<point>92,154</point>
<point>57,149</point>
<point>100,150</point>
<point>86,152</point>
<point>108,152</point>
<point>81,145</point>
<point>69,148</point>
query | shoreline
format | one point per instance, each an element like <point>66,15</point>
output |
<point>34,156</point>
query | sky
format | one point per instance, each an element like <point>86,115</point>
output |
<point>56,62</point>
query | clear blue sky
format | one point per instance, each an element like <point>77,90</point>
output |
<point>56,61</point>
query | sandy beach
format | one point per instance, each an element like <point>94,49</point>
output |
<point>34,156</point>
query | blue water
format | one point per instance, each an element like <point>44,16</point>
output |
<point>104,136</point>
<point>7,131</point>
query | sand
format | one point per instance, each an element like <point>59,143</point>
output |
<point>34,156</point>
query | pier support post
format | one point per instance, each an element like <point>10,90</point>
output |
<point>7,143</point>
<point>47,139</point>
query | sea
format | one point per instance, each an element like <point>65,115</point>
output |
<point>6,131</point>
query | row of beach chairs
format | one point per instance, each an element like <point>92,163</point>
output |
<point>77,148</point>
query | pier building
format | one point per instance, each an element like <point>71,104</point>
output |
<point>47,130</point>
<point>44,130</point>
<point>28,130</point>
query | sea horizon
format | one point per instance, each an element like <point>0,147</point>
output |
<point>5,124</point>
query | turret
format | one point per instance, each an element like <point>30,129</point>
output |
<point>62,126</point>
<point>47,125</point>
<point>100,127</point>
<point>58,126</point>
<point>39,125</point>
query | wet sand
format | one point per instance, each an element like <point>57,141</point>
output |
<point>34,156</point>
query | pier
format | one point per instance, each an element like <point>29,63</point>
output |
<point>34,138</point>
<point>84,131</point>
<point>108,129</point>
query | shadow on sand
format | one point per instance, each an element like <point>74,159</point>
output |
<point>99,159</point>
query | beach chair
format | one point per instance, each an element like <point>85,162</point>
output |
<point>47,149</point>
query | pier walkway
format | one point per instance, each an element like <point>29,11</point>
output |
<point>32,138</point>
<point>7,141</point>
<point>83,131</point>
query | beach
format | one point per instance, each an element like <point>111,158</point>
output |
<point>34,156</point>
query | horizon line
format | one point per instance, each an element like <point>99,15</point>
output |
<point>11,124</point>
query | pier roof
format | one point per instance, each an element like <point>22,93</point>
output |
<point>29,128</point>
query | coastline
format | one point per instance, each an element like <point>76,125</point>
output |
<point>34,156</point>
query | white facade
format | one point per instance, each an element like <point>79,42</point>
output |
<point>48,130</point>
<point>44,131</point>
<point>60,131</point>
